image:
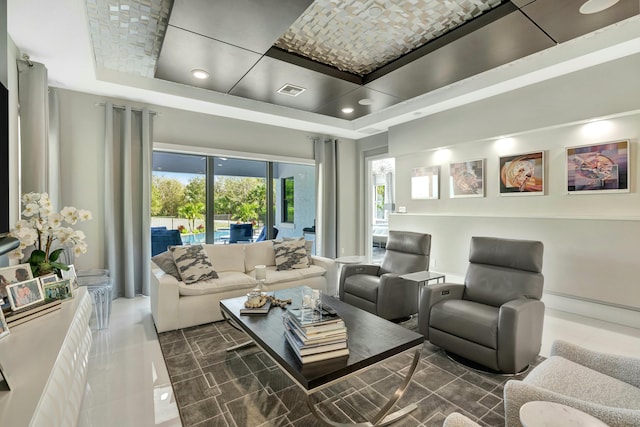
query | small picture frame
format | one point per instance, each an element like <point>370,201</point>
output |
<point>522,174</point>
<point>425,183</point>
<point>4,328</point>
<point>9,275</point>
<point>466,179</point>
<point>25,294</point>
<point>51,278</point>
<point>71,275</point>
<point>61,290</point>
<point>598,168</point>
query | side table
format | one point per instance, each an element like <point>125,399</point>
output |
<point>424,277</point>
<point>552,414</point>
<point>99,285</point>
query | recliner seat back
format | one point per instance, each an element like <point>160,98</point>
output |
<point>502,270</point>
<point>407,252</point>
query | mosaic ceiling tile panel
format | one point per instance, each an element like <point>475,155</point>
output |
<point>360,36</point>
<point>127,34</point>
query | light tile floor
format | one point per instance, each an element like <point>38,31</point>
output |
<point>128,384</point>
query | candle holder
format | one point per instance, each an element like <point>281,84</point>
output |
<point>261,276</point>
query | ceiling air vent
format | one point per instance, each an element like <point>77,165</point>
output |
<point>291,90</point>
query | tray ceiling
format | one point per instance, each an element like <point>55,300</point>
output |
<point>364,54</point>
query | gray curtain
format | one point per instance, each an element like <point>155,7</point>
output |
<point>326,156</point>
<point>39,153</point>
<point>128,146</point>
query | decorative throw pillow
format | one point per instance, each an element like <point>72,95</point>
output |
<point>193,263</point>
<point>290,254</point>
<point>308,246</point>
<point>166,263</point>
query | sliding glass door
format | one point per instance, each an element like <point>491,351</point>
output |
<point>220,200</point>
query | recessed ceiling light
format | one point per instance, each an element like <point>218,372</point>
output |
<point>164,396</point>
<point>347,110</point>
<point>595,6</point>
<point>365,101</point>
<point>200,74</point>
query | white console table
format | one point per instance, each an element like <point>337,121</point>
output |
<point>46,361</point>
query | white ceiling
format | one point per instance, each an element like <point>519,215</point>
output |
<point>56,33</point>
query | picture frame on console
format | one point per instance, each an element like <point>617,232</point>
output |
<point>466,179</point>
<point>598,168</point>
<point>25,294</point>
<point>71,275</point>
<point>60,290</point>
<point>10,275</point>
<point>522,174</point>
<point>425,183</point>
<point>4,328</point>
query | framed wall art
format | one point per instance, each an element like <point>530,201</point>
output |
<point>466,179</point>
<point>522,174</point>
<point>598,168</point>
<point>425,182</point>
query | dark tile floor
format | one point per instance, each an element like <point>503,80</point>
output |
<point>245,388</point>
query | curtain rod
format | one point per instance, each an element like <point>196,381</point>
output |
<point>124,107</point>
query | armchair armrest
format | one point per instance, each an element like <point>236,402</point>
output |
<point>396,296</point>
<point>623,368</point>
<point>431,295</point>
<point>519,321</point>
<point>517,393</point>
<point>351,269</point>
<point>163,298</point>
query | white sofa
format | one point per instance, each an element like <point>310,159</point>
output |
<point>175,305</point>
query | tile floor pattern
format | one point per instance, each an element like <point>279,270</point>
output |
<point>128,384</point>
<point>246,388</point>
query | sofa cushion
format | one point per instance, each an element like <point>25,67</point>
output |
<point>571,379</point>
<point>167,264</point>
<point>468,320</point>
<point>290,254</point>
<point>228,280</point>
<point>193,263</point>
<point>260,253</point>
<point>226,257</point>
<point>279,276</point>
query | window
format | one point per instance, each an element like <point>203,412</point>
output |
<point>287,199</point>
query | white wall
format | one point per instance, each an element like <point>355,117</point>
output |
<point>590,240</point>
<point>82,129</point>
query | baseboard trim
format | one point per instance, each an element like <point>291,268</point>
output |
<point>592,309</point>
<point>582,307</point>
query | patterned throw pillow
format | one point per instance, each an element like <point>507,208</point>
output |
<point>290,254</point>
<point>308,246</point>
<point>166,263</point>
<point>193,263</point>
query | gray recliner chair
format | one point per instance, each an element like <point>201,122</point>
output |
<point>495,318</point>
<point>379,289</point>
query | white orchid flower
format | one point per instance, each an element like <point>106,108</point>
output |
<point>85,215</point>
<point>30,198</point>
<point>16,254</point>
<point>55,220</point>
<point>42,227</point>
<point>30,210</point>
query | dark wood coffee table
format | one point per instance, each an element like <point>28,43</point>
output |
<point>371,340</point>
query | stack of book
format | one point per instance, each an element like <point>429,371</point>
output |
<point>315,335</point>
